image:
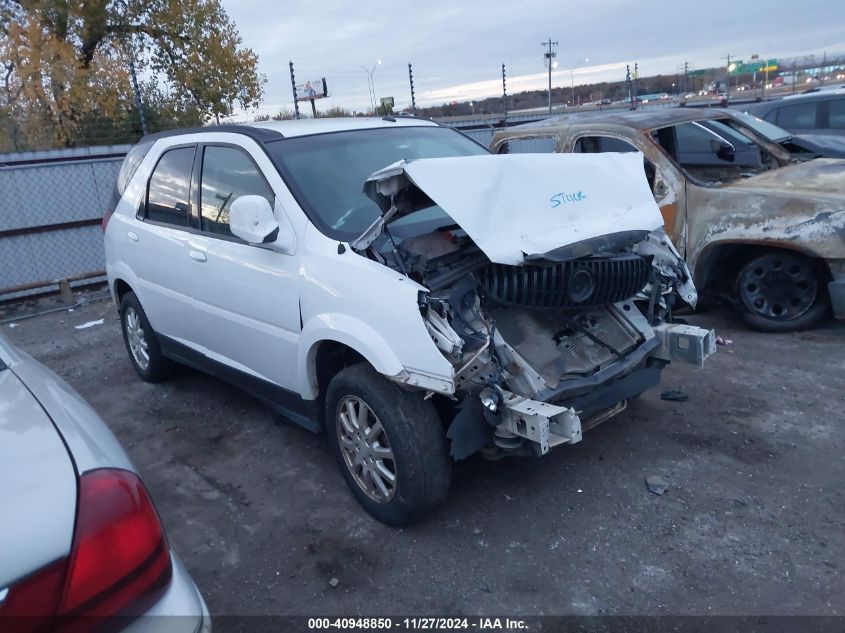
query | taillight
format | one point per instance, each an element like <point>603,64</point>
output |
<point>106,217</point>
<point>120,561</point>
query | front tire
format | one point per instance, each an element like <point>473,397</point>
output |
<point>781,292</point>
<point>141,342</point>
<point>389,443</point>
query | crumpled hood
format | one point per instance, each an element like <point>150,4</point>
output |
<point>833,146</point>
<point>515,207</point>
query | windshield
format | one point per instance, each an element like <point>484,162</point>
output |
<point>763,128</point>
<point>326,172</point>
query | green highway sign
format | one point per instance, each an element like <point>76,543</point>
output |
<point>758,65</point>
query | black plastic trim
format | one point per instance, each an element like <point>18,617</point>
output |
<point>572,388</point>
<point>601,398</point>
<point>287,403</point>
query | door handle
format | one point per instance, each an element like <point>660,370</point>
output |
<point>132,235</point>
<point>197,256</point>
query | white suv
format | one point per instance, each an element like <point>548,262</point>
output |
<point>390,281</point>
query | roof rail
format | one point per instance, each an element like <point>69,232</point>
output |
<point>259,134</point>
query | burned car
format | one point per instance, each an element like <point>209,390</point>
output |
<point>391,282</point>
<point>759,226</point>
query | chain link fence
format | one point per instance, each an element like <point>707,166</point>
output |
<point>51,205</point>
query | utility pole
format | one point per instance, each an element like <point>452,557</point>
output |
<point>728,78</point>
<point>628,85</point>
<point>293,87</point>
<point>686,77</point>
<point>504,98</point>
<point>635,98</point>
<point>138,103</point>
<point>411,79</point>
<point>821,74</point>
<point>549,56</point>
<point>133,77</point>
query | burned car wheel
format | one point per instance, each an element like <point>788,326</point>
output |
<point>781,292</point>
<point>141,342</point>
<point>389,443</point>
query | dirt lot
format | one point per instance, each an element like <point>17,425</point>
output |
<point>754,522</point>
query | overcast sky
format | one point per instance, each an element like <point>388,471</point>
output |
<point>457,48</point>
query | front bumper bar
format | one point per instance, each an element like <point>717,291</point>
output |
<point>547,425</point>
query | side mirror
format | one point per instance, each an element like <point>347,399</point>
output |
<point>251,219</point>
<point>724,151</point>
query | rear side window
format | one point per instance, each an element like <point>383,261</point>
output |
<point>227,174</point>
<point>169,190</point>
<point>130,165</point>
<point>836,114</point>
<point>127,169</point>
<point>601,144</point>
<point>531,145</point>
<point>799,115</point>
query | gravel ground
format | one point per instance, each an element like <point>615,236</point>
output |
<point>753,521</point>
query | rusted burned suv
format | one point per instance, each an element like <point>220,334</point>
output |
<point>757,225</point>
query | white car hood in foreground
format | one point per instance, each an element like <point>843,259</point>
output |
<point>522,205</point>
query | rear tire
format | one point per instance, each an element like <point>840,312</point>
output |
<point>781,291</point>
<point>141,342</point>
<point>389,444</point>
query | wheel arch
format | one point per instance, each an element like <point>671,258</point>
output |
<point>721,260</point>
<point>324,340</point>
<point>119,289</point>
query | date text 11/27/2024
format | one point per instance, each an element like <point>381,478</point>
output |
<point>417,624</point>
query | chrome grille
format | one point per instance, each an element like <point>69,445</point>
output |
<point>562,285</point>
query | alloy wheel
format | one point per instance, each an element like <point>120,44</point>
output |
<point>366,449</point>
<point>136,338</point>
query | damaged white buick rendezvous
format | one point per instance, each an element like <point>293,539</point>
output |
<point>392,282</point>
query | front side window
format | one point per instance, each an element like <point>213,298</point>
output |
<point>718,151</point>
<point>227,174</point>
<point>169,190</point>
<point>797,116</point>
<point>327,172</point>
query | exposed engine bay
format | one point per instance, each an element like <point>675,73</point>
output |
<point>546,348</point>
